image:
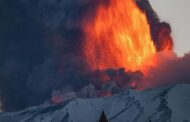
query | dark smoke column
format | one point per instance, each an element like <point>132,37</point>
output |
<point>160,31</point>
<point>40,44</point>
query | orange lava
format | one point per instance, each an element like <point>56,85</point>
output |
<point>119,37</point>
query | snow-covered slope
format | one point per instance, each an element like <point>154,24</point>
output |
<point>166,104</point>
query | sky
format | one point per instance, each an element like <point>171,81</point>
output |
<point>177,13</point>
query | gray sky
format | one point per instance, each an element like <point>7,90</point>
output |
<point>177,13</point>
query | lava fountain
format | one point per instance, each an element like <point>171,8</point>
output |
<point>119,37</point>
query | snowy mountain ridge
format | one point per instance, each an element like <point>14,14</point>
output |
<point>166,104</point>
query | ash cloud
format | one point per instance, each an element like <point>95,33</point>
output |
<point>37,40</point>
<point>171,70</point>
<point>40,43</point>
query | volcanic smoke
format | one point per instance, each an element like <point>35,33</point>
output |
<point>86,49</point>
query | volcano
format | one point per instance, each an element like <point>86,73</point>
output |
<point>155,105</point>
<point>114,56</point>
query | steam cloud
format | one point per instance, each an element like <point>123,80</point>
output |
<point>170,71</point>
<point>40,53</point>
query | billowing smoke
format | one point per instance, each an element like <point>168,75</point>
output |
<point>40,52</point>
<point>170,71</point>
<point>40,41</point>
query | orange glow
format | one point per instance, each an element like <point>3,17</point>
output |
<point>165,40</point>
<point>119,37</point>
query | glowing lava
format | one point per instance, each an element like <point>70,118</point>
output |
<point>119,37</point>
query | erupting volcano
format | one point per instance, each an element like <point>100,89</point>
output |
<point>85,49</point>
<point>119,37</point>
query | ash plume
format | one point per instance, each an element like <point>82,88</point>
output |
<point>171,70</point>
<point>40,53</point>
